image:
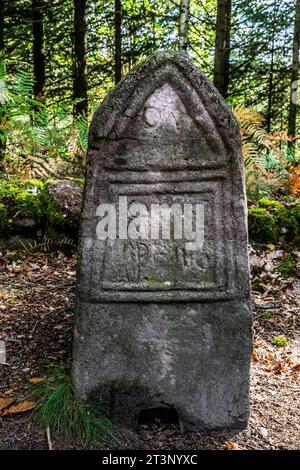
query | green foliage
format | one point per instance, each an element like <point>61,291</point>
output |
<point>12,256</point>
<point>265,154</point>
<point>59,408</point>
<point>287,267</point>
<point>22,195</point>
<point>40,140</point>
<point>262,225</point>
<point>267,315</point>
<point>279,341</point>
<point>255,286</point>
<point>272,219</point>
<point>28,198</point>
<point>269,203</point>
<point>3,215</point>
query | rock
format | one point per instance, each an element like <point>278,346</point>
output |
<point>163,297</point>
<point>25,224</point>
<point>18,242</point>
<point>263,432</point>
<point>2,353</point>
<point>68,196</point>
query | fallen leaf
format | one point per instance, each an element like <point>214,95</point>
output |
<point>271,246</point>
<point>17,269</point>
<point>8,392</point>
<point>34,266</point>
<point>5,402</point>
<point>254,356</point>
<point>233,446</point>
<point>35,380</point>
<point>279,367</point>
<point>19,408</point>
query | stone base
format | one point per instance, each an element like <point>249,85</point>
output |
<point>192,357</point>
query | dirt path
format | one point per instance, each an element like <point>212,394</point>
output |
<point>36,324</point>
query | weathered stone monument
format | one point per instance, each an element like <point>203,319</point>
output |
<point>163,316</point>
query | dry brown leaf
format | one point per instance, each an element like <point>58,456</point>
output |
<point>9,392</point>
<point>19,408</point>
<point>5,402</point>
<point>17,269</point>
<point>58,327</point>
<point>233,445</point>
<point>254,356</point>
<point>35,380</point>
<point>271,246</point>
<point>294,180</point>
<point>279,367</point>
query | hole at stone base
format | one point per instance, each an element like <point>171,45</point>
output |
<point>158,416</point>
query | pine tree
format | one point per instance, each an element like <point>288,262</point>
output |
<point>294,79</point>
<point>80,61</point>
<point>38,49</point>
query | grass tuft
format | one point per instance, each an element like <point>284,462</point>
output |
<point>59,408</point>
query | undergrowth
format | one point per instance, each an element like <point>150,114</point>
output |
<point>64,413</point>
<point>279,341</point>
<point>287,267</point>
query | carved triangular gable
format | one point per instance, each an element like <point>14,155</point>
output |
<point>164,102</point>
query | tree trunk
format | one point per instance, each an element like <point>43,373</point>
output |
<point>1,30</point>
<point>118,41</point>
<point>80,65</point>
<point>294,77</point>
<point>38,49</point>
<point>269,114</point>
<point>183,24</point>
<point>222,47</point>
<point>270,88</point>
<point>2,54</point>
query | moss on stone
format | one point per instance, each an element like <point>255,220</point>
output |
<point>29,198</point>
<point>262,225</point>
<point>269,203</point>
<point>271,220</point>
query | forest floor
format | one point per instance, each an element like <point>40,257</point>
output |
<point>36,324</point>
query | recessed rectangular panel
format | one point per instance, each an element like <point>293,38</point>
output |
<point>165,265</point>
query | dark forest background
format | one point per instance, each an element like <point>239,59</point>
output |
<point>60,58</point>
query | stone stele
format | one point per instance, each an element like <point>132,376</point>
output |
<point>159,326</point>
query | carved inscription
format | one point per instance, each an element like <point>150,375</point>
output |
<point>159,264</point>
<point>147,264</point>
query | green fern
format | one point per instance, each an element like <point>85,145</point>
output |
<point>39,139</point>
